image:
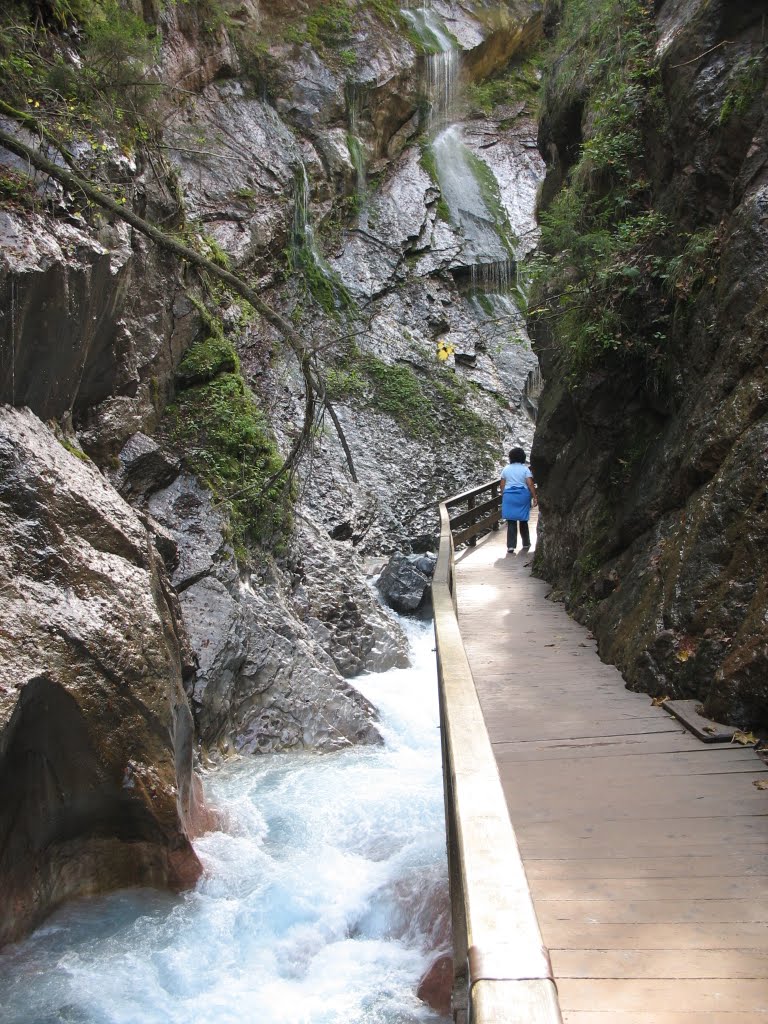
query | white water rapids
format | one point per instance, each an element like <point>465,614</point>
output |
<point>323,902</point>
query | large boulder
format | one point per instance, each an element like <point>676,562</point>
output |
<point>95,731</point>
<point>406,582</point>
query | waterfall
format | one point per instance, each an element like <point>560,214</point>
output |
<point>303,230</point>
<point>306,257</point>
<point>324,897</point>
<point>356,151</point>
<point>442,62</point>
<point>467,186</point>
<point>534,385</point>
<point>492,278</point>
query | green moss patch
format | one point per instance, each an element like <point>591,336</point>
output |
<point>425,405</point>
<point>205,360</point>
<point>225,440</point>
<point>429,164</point>
<point>489,190</point>
<point>520,83</point>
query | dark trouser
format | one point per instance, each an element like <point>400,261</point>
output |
<point>512,533</point>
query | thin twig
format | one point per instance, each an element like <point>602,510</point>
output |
<point>693,60</point>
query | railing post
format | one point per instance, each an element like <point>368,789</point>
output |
<point>495,494</point>
<point>470,505</point>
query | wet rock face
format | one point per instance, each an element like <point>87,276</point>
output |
<point>654,513</point>
<point>272,650</point>
<point>436,987</point>
<point>96,736</point>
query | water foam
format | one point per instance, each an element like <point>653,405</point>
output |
<point>323,901</point>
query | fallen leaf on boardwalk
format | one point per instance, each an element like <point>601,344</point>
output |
<point>708,728</point>
<point>658,701</point>
<point>582,645</point>
<point>746,739</point>
<point>760,783</point>
<point>549,645</point>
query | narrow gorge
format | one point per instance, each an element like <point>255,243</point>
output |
<point>197,487</point>
<point>275,279</point>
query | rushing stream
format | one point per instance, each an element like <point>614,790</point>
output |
<point>324,898</point>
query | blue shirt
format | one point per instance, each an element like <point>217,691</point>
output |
<point>515,475</point>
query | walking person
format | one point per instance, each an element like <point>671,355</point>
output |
<point>518,494</point>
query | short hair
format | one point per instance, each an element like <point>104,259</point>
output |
<point>517,455</point>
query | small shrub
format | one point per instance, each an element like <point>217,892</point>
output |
<point>746,82</point>
<point>207,359</point>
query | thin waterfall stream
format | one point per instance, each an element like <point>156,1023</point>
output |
<point>468,185</point>
<point>442,61</point>
<point>324,897</point>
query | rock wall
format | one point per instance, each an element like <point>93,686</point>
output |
<point>302,153</point>
<point>653,482</point>
<point>96,736</point>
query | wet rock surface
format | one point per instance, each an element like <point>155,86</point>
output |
<point>96,737</point>
<point>299,172</point>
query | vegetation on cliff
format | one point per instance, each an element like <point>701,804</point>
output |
<point>651,332</point>
<point>606,242</point>
<point>87,78</point>
<point>226,442</point>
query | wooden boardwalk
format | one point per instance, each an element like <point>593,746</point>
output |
<point>646,850</point>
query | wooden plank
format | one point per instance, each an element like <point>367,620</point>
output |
<point>477,528</point>
<point>529,806</point>
<point>517,731</point>
<point>456,499</point>
<point>660,743</point>
<point>658,963</point>
<point>519,1002</point>
<point>621,767</point>
<point>684,995</point>
<point>490,510</point>
<point>707,730</point>
<point>544,866</point>
<point>666,911</point>
<point>665,935</point>
<point>753,887</point>
<point>645,832</point>
<point>662,1017</point>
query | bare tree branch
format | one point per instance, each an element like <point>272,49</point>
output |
<point>171,244</point>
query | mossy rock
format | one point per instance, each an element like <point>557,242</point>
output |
<point>205,360</point>
<point>226,442</point>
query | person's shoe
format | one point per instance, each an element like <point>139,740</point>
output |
<point>510,551</point>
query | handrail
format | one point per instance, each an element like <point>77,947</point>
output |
<point>502,972</point>
<point>477,518</point>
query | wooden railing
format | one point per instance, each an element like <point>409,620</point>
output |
<point>502,973</point>
<point>482,512</point>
